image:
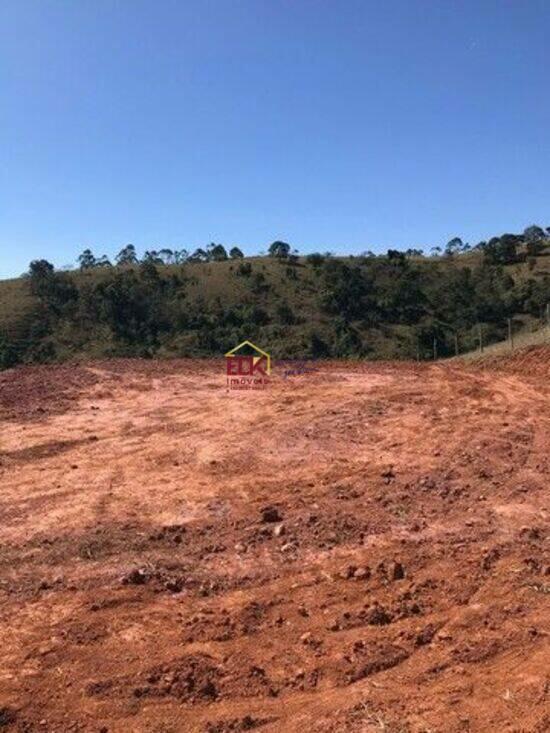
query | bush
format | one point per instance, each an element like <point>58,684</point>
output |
<point>244,269</point>
<point>285,314</point>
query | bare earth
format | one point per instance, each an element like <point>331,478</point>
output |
<point>364,548</point>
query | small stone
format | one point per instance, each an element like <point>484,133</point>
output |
<point>425,636</point>
<point>397,571</point>
<point>279,530</point>
<point>271,514</point>
<point>138,576</point>
<point>209,690</point>
<point>174,585</point>
<point>532,533</point>
<point>347,573</point>
<point>7,716</point>
<point>362,573</point>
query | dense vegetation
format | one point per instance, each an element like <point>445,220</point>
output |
<point>176,303</point>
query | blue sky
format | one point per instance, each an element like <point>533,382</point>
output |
<point>343,125</point>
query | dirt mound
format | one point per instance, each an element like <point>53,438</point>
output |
<point>357,548</point>
<point>533,361</point>
<point>34,391</point>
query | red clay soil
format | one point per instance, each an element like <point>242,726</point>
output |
<point>362,548</point>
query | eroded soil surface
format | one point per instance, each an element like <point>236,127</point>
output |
<point>362,548</point>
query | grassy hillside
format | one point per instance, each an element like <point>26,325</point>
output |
<point>534,333</point>
<point>374,307</point>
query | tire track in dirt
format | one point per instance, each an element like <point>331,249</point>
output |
<point>361,547</point>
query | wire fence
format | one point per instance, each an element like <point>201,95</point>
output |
<point>516,338</point>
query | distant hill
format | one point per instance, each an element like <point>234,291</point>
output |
<point>377,307</point>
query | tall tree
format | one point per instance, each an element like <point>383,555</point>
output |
<point>167,256</point>
<point>454,246</point>
<point>199,255</point>
<point>152,256</point>
<point>87,260</point>
<point>127,255</point>
<point>279,249</point>
<point>180,256</point>
<point>216,252</point>
<point>533,233</point>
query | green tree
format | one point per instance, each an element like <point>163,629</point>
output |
<point>153,257</point>
<point>127,256</point>
<point>285,314</point>
<point>8,353</point>
<point>216,252</point>
<point>454,246</point>
<point>199,255</point>
<point>533,233</point>
<point>244,269</point>
<point>502,250</point>
<point>318,348</point>
<point>279,249</point>
<point>235,253</point>
<point>167,256</point>
<point>315,259</point>
<point>396,255</point>
<point>534,247</point>
<point>87,260</point>
<point>55,290</point>
<point>180,256</point>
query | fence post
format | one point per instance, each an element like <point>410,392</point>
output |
<point>456,344</point>
<point>435,349</point>
<point>480,333</point>
<point>510,333</point>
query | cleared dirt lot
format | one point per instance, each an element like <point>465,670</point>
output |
<point>363,548</point>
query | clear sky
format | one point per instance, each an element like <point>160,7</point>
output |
<point>344,125</point>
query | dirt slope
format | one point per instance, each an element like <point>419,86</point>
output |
<point>364,548</point>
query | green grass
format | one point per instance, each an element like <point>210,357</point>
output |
<point>15,301</point>
<point>527,336</point>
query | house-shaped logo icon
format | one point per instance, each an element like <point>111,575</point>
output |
<point>248,360</point>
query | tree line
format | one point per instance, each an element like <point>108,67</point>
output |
<point>390,306</point>
<point>504,249</point>
<point>167,256</point>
